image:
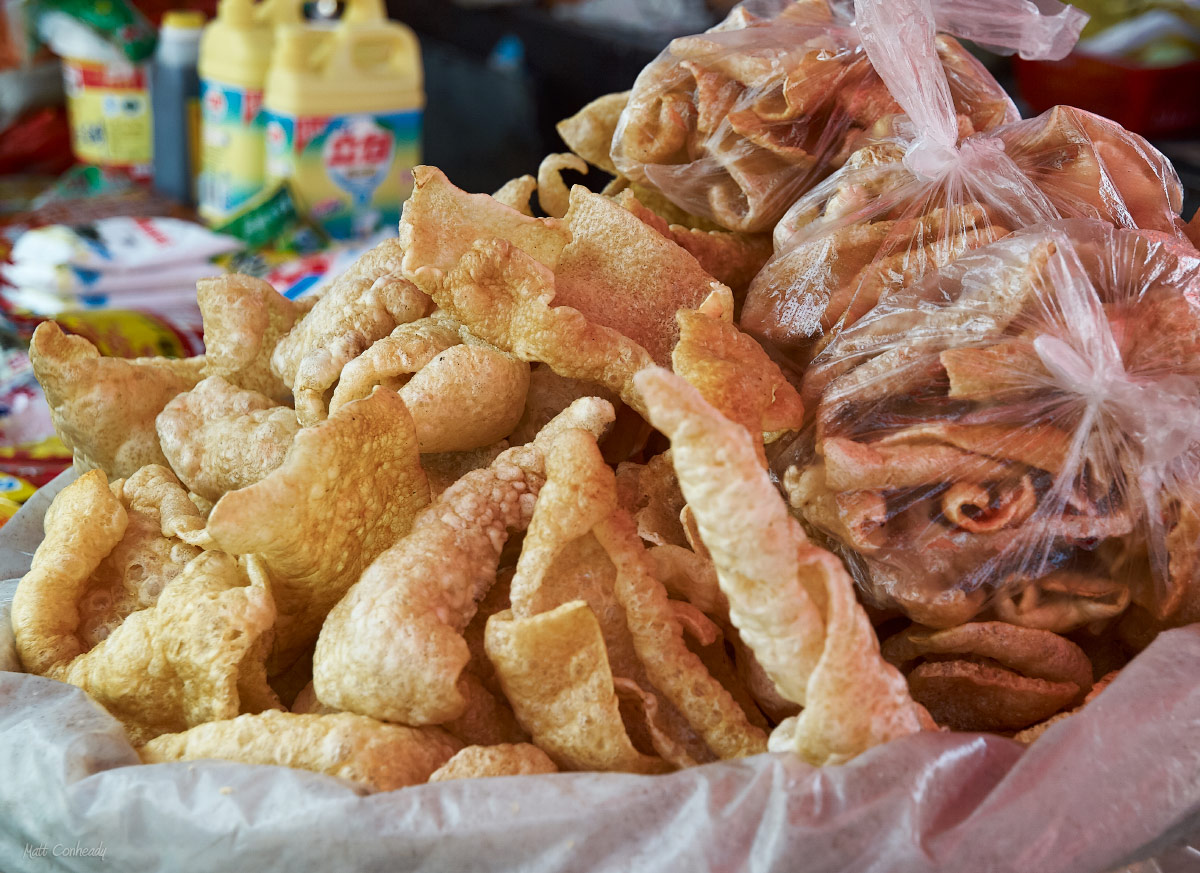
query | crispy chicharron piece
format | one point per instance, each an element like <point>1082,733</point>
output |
<point>793,603</point>
<point>104,408</point>
<point>348,489</point>
<point>377,756</point>
<point>393,647</point>
<point>220,438</point>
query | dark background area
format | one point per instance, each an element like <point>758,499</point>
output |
<point>498,80</point>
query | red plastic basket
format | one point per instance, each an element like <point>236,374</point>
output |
<point>1152,101</point>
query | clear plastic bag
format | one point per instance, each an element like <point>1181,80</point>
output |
<point>1018,436</point>
<point>734,124</point>
<point>922,194</point>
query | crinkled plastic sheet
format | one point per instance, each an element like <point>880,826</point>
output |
<point>1109,786</point>
<point>920,194</point>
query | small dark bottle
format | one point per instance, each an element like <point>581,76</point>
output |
<point>175,105</point>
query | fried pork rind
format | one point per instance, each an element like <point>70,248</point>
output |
<point>736,123</point>
<point>553,194</point>
<point>793,603</point>
<point>392,360</point>
<point>581,545</point>
<point>1015,433</point>
<point>548,395</point>
<point>505,297</point>
<point>875,226</point>
<point>1034,732</point>
<point>376,756</point>
<point>589,132</point>
<point>220,438</point>
<point>361,306</point>
<point>441,223</point>
<point>733,373</point>
<point>515,194</point>
<point>467,397</point>
<point>165,661</point>
<point>731,258</point>
<point>348,489</point>
<point>622,274</point>
<point>507,759</point>
<point>1007,677</point>
<point>554,670</point>
<point>608,286</point>
<point>104,408</point>
<point>244,319</point>
<point>462,393</point>
<point>393,647</point>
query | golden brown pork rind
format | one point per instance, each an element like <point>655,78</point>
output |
<point>469,396</point>
<point>553,194</point>
<point>581,491</point>
<point>392,360</point>
<point>462,392</point>
<point>244,319</point>
<point>548,395</point>
<point>83,525</point>
<point>130,549</point>
<point>194,655</point>
<point>1009,678</point>
<point>516,193</point>
<point>363,305</point>
<point>731,258</point>
<point>348,489</point>
<point>589,132</point>
<point>376,756</point>
<point>554,670</point>
<point>658,637</point>
<point>104,408</point>
<point>792,602</point>
<point>506,297</point>
<point>580,546</point>
<point>504,759</point>
<point>441,223</point>
<point>220,438</point>
<point>623,274</point>
<point>733,373</point>
<point>606,264</point>
<point>393,647</point>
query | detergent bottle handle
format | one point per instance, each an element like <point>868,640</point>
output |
<point>364,12</point>
<point>403,51</point>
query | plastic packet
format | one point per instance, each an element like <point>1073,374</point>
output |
<point>921,194</point>
<point>1018,437</point>
<point>734,124</point>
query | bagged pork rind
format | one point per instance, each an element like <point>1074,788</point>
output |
<point>921,195</point>
<point>734,124</point>
<point>1018,437</point>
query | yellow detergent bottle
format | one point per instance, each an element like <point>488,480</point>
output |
<point>235,53</point>
<point>343,109</point>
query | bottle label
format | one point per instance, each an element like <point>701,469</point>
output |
<point>231,149</point>
<point>109,112</point>
<point>349,173</point>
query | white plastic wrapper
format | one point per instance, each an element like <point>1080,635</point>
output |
<point>1117,783</point>
<point>924,189</point>
<point>734,124</point>
<point>1018,437</point>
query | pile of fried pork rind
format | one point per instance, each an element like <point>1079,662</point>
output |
<point>518,494</point>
